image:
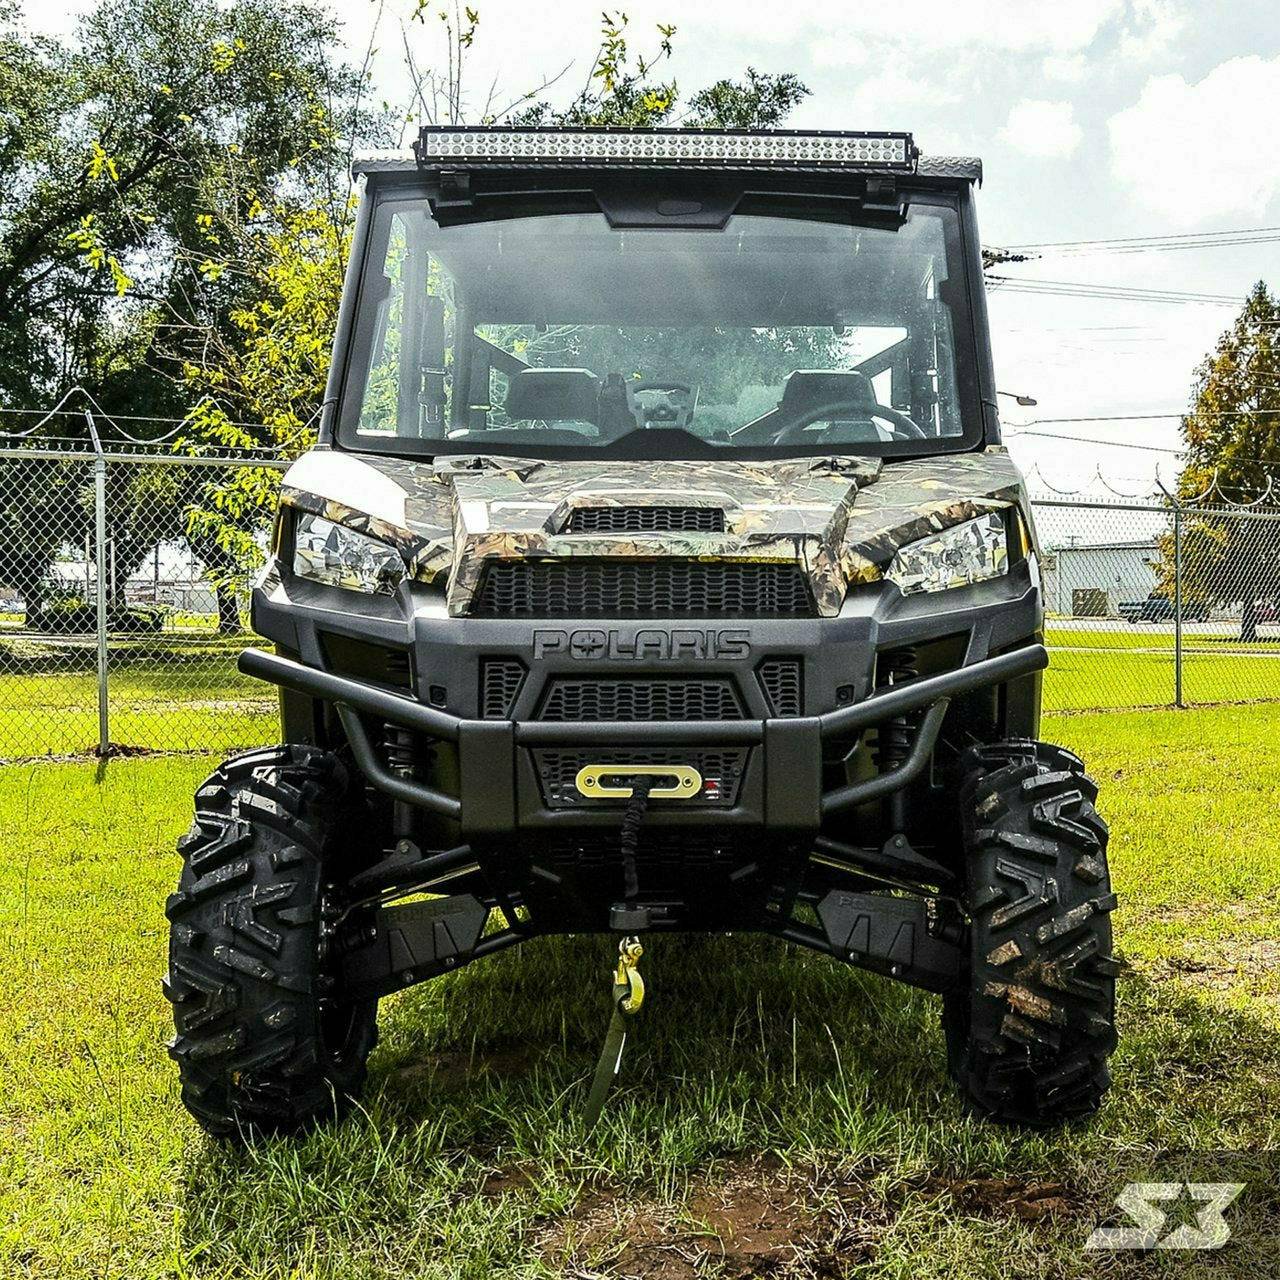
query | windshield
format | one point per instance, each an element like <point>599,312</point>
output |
<point>553,335</point>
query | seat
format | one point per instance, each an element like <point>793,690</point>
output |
<point>809,389</point>
<point>554,395</point>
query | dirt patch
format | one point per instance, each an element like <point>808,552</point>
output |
<point>451,1069</point>
<point>1028,1201</point>
<point>760,1219</point>
<point>753,1219</point>
<point>1202,913</point>
<point>501,1182</point>
<point>1223,963</point>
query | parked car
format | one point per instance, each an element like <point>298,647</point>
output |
<point>1158,608</point>
<point>69,617</point>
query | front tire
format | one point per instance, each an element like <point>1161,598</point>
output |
<point>264,1038</point>
<point>1030,1032</point>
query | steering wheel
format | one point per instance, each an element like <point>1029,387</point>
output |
<point>679,409</point>
<point>842,409</point>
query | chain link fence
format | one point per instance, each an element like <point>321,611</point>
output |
<point>120,626</point>
<point>1159,604</point>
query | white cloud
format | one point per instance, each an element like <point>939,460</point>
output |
<point>1209,149</point>
<point>1152,30</point>
<point>997,24</point>
<point>837,39</point>
<point>1069,68</point>
<point>881,99</point>
<point>1037,127</point>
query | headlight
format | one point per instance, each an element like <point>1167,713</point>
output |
<point>965,553</point>
<point>341,557</point>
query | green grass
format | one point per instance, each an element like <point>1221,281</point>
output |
<point>170,698</point>
<point>807,1098</point>
<point>1082,679</point>
<point>184,694</point>
<point>1148,637</point>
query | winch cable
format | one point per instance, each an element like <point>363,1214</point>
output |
<point>628,985</point>
<point>637,807</point>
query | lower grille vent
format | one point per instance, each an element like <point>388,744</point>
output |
<point>641,700</point>
<point>362,660</point>
<point>782,682</point>
<point>500,681</point>
<point>664,856</point>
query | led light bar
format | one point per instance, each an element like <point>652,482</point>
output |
<point>499,146</point>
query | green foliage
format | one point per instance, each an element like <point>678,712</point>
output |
<point>622,91</point>
<point>143,163</point>
<point>1233,449</point>
<point>761,101</point>
<point>132,157</point>
<point>262,383</point>
<point>1233,430</point>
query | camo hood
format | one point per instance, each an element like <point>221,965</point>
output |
<point>841,519</point>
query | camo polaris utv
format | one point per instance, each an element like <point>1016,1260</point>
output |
<point>658,568</point>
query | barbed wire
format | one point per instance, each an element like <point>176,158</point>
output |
<point>114,420</point>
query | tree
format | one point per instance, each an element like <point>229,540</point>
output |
<point>138,165</point>
<point>119,159</point>
<point>1232,436</point>
<point>268,370</point>
<point>761,101</point>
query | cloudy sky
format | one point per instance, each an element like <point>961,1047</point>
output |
<point>1096,119</point>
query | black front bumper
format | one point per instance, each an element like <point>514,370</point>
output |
<point>496,785</point>
<point>492,771</point>
<point>789,795</point>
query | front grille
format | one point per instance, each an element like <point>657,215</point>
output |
<point>581,588</point>
<point>500,681</point>
<point>646,520</point>
<point>602,699</point>
<point>557,770</point>
<point>782,682</point>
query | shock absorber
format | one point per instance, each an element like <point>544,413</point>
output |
<point>402,760</point>
<point>893,741</point>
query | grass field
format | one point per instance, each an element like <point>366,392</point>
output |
<point>165,695</point>
<point>779,1115</point>
<point>1085,678</point>
<point>1195,640</point>
<point>173,694</point>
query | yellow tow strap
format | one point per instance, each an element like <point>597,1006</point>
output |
<point>628,996</point>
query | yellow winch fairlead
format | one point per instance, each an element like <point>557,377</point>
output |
<point>610,781</point>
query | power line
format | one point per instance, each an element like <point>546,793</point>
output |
<point>1148,417</point>
<point>1147,244</point>
<point>1118,293</point>
<point>1115,444</point>
<point>1121,444</point>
